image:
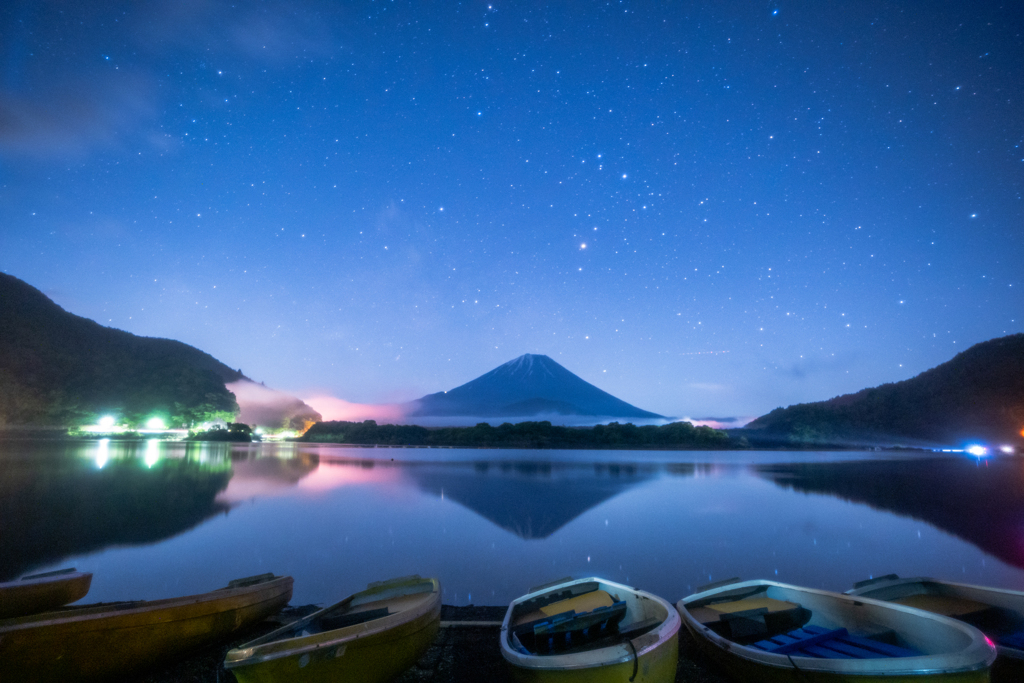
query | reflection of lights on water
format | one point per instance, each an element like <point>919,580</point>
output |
<point>276,436</point>
<point>152,452</point>
<point>977,450</point>
<point>102,453</point>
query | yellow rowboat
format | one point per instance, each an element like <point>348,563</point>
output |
<point>997,613</point>
<point>370,636</point>
<point>40,592</point>
<point>591,630</point>
<point>768,631</point>
<point>119,638</point>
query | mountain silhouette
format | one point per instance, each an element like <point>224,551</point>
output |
<point>58,369</point>
<point>979,394</point>
<point>530,385</point>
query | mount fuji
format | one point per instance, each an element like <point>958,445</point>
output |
<point>530,385</point>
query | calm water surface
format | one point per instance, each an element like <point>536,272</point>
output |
<point>154,519</point>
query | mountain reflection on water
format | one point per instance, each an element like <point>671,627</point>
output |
<point>532,500</point>
<point>59,502</point>
<point>154,520</point>
<point>981,501</point>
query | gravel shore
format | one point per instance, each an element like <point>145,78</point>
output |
<point>465,651</point>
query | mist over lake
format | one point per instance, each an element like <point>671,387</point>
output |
<point>157,519</point>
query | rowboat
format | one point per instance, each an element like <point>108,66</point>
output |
<point>370,636</point>
<point>120,638</point>
<point>768,631</point>
<point>40,592</point>
<point>997,613</point>
<point>590,630</point>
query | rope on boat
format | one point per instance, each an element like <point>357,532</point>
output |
<point>797,669</point>
<point>636,661</point>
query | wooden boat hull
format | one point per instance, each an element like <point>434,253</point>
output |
<point>943,649</point>
<point>998,613</point>
<point>369,652</point>
<point>744,670</point>
<point>117,639</point>
<point>657,666</point>
<point>994,611</point>
<point>34,594</point>
<point>651,657</point>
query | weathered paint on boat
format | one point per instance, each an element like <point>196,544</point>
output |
<point>369,651</point>
<point>41,592</point>
<point>116,639</point>
<point>651,657</point>
<point>952,652</point>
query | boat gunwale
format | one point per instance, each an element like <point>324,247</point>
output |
<point>889,666</point>
<point>109,610</point>
<point>399,625</point>
<point>575,661</point>
<point>52,591</point>
<point>68,577</point>
<point>856,592</point>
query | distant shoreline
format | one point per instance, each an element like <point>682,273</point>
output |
<point>731,442</point>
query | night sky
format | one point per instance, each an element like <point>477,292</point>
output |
<point>705,209</point>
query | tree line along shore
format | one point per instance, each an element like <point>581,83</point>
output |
<point>543,434</point>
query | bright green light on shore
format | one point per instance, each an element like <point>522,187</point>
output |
<point>155,423</point>
<point>106,421</point>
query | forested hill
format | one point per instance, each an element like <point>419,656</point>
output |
<point>979,394</point>
<point>59,369</point>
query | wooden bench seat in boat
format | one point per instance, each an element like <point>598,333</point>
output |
<point>571,624</point>
<point>582,642</point>
<point>571,630</point>
<point>947,605</point>
<point>822,643</point>
<point>723,611</point>
<point>567,622</point>
<point>751,618</point>
<point>584,602</point>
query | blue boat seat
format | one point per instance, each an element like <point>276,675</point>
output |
<point>1014,640</point>
<point>570,629</point>
<point>821,643</point>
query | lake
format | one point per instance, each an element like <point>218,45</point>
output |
<point>158,519</point>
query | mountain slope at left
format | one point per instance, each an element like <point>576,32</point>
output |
<point>59,369</point>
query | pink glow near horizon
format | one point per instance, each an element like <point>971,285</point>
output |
<point>332,408</point>
<point>715,424</point>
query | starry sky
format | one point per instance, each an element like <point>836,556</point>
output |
<point>706,209</point>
